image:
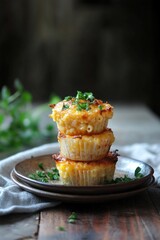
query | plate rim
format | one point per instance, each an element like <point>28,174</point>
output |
<point>78,198</point>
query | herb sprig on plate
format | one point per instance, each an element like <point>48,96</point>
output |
<point>45,175</point>
<point>126,178</point>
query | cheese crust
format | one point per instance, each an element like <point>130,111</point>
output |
<point>71,121</point>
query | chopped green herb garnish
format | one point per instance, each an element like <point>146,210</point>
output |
<point>40,165</point>
<point>78,100</point>
<point>40,173</point>
<point>83,106</point>
<point>138,173</point>
<point>126,178</point>
<point>85,96</point>
<point>32,176</point>
<point>88,96</point>
<point>60,228</point>
<point>68,98</point>
<point>100,107</point>
<point>54,175</point>
<point>45,175</point>
<point>73,217</point>
<point>65,106</point>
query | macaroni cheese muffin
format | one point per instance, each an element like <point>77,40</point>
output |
<point>82,114</point>
<point>85,140</point>
<point>84,147</point>
<point>86,173</point>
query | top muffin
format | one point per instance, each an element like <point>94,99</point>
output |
<point>81,115</point>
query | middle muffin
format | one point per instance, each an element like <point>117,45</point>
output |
<point>86,147</point>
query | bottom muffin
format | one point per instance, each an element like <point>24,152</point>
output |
<point>86,173</point>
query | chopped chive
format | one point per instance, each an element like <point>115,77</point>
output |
<point>60,228</point>
<point>100,107</point>
<point>126,178</point>
<point>85,96</point>
<point>73,217</point>
<point>40,165</point>
<point>65,106</point>
<point>68,98</point>
<point>45,175</point>
<point>83,106</point>
<point>138,173</point>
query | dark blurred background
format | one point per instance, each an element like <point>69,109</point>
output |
<point>109,47</point>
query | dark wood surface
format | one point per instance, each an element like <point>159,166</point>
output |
<point>132,218</point>
<point>136,217</point>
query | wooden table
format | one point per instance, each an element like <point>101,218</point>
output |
<point>137,217</point>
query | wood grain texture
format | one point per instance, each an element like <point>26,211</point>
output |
<point>132,218</point>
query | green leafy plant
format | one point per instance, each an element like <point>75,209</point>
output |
<point>20,120</point>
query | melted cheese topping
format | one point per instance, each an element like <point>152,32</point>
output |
<point>72,121</point>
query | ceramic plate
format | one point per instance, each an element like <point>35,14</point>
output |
<point>124,166</point>
<point>78,198</point>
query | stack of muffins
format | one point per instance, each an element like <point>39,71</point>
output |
<point>85,158</point>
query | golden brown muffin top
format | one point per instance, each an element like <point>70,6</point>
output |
<point>82,102</point>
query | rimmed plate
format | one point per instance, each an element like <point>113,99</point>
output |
<point>125,166</point>
<point>78,198</point>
